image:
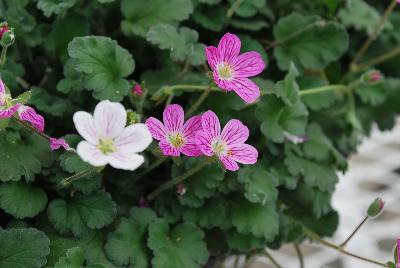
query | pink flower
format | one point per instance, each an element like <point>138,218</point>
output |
<point>231,70</point>
<point>56,144</point>
<point>137,90</point>
<point>28,114</point>
<point>107,140</point>
<point>175,136</point>
<point>7,110</point>
<point>227,145</point>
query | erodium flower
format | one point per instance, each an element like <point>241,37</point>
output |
<point>107,140</point>
<point>230,70</point>
<point>56,144</point>
<point>227,145</point>
<point>7,109</point>
<point>175,136</point>
<point>28,114</point>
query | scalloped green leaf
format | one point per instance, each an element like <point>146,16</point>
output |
<point>50,7</point>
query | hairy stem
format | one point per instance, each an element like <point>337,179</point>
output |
<point>379,59</point>
<point>184,176</point>
<point>313,236</point>
<point>198,102</point>
<point>31,128</point>
<point>170,90</point>
<point>299,254</point>
<point>322,89</point>
<point>375,33</point>
<point>273,261</point>
<point>354,232</point>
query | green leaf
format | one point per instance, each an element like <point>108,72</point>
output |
<point>288,89</point>
<point>142,15</point>
<point>277,118</point>
<point>313,42</point>
<point>23,248</point>
<point>316,102</point>
<point>249,24</point>
<point>372,94</point>
<point>82,213</point>
<point>181,42</point>
<point>104,65</point>
<point>260,185</point>
<point>22,200</point>
<point>127,246</point>
<point>50,104</point>
<point>243,242</point>
<point>24,157</point>
<point>75,258</point>
<point>23,98</point>
<point>247,8</point>
<point>57,7</point>
<point>180,247</point>
<point>210,18</point>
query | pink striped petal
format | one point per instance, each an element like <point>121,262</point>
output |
<point>210,124</point>
<point>244,153</point>
<point>203,141</point>
<point>229,47</point>
<point>222,83</point>
<point>191,126</point>
<point>125,160</point>
<point>91,154</point>
<point>2,93</point>
<point>229,163</point>
<point>133,139</point>
<point>28,114</point>
<point>191,148</point>
<point>235,132</point>
<point>84,124</point>
<point>173,117</point>
<point>109,118</point>
<point>212,56</point>
<point>248,64</point>
<point>157,129</point>
<point>9,112</point>
<point>246,89</point>
<point>167,149</point>
<point>56,144</point>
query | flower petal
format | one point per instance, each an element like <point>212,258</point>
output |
<point>222,83</point>
<point>125,160</point>
<point>9,112</point>
<point>248,64</point>
<point>135,138</point>
<point>235,132</point>
<point>203,141</point>
<point>212,56</point>
<point>109,118</point>
<point>210,124</point>
<point>229,163</point>
<point>56,144</point>
<point>91,154</point>
<point>167,149</point>
<point>84,124</point>
<point>173,117</point>
<point>244,153</point>
<point>191,148</point>
<point>2,88</point>
<point>229,47</point>
<point>191,126</point>
<point>246,89</point>
<point>157,129</point>
<point>28,114</point>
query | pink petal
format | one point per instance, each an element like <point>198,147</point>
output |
<point>156,128</point>
<point>191,126</point>
<point>212,56</point>
<point>2,93</point>
<point>167,149</point>
<point>84,124</point>
<point>210,124</point>
<point>203,141</point>
<point>244,153</point>
<point>246,89</point>
<point>125,160</point>
<point>28,114</point>
<point>56,144</point>
<point>109,118</point>
<point>248,64</point>
<point>173,117</point>
<point>222,83</point>
<point>235,132</point>
<point>91,154</point>
<point>9,112</point>
<point>229,163</point>
<point>191,149</point>
<point>229,47</point>
<point>134,138</point>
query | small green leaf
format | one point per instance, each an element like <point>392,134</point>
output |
<point>23,248</point>
<point>73,258</point>
<point>243,242</point>
<point>247,8</point>
<point>57,7</point>
<point>372,94</point>
<point>22,200</point>
<point>23,98</point>
<point>288,89</point>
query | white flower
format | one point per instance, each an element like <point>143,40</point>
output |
<point>107,140</point>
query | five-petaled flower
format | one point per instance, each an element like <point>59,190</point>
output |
<point>230,70</point>
<point>7,109</point>
<point>107,140</point>
<point>227,145</point>
<point>175,136</point>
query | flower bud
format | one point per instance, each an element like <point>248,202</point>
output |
<point>3,29</point>
<point>372,77</point>
<point>137,90</point>
<point>7,36</point>
<point>375,208</point>
<point>181,189</point>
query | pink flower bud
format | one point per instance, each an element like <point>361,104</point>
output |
<point>372,77</point>
<point>376,76</point>
<point>181,189</point>
<point>3,29</point>
<point>375,208</point>
<point>137,90</point>
<point>56,144</point>
<point>28,114</point>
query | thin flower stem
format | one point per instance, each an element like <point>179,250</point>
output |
<point>67,181</point>
<point>198,102</point>
<point>375,33</point>
<point>354,232</point>
<point>313,236</point>
<point>380,59</point>
<point>3,56</point>
<point>274,262</point>
<point>322,89</point>
<point>184,176</point>
<point>184,88</point>
<point>31,128</point>
<point>299,254</point>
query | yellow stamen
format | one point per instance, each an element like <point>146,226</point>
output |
<point>107,146</point>
<point>176,140</point>
<point>225,71</point>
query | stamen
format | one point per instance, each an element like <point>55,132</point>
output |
<point>225,71</point>
<point>176,140</point>
<point>106,146</point>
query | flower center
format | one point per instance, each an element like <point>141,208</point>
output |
<point>219,147</point>
<point>225,71</point>
<point>5,100</point>
<point>176,139</point>
<point>106,146</point>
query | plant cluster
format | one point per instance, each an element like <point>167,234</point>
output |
<point>261,102</point>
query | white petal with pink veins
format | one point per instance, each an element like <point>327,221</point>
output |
<point>110,118</point>
<point>91,154</point>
